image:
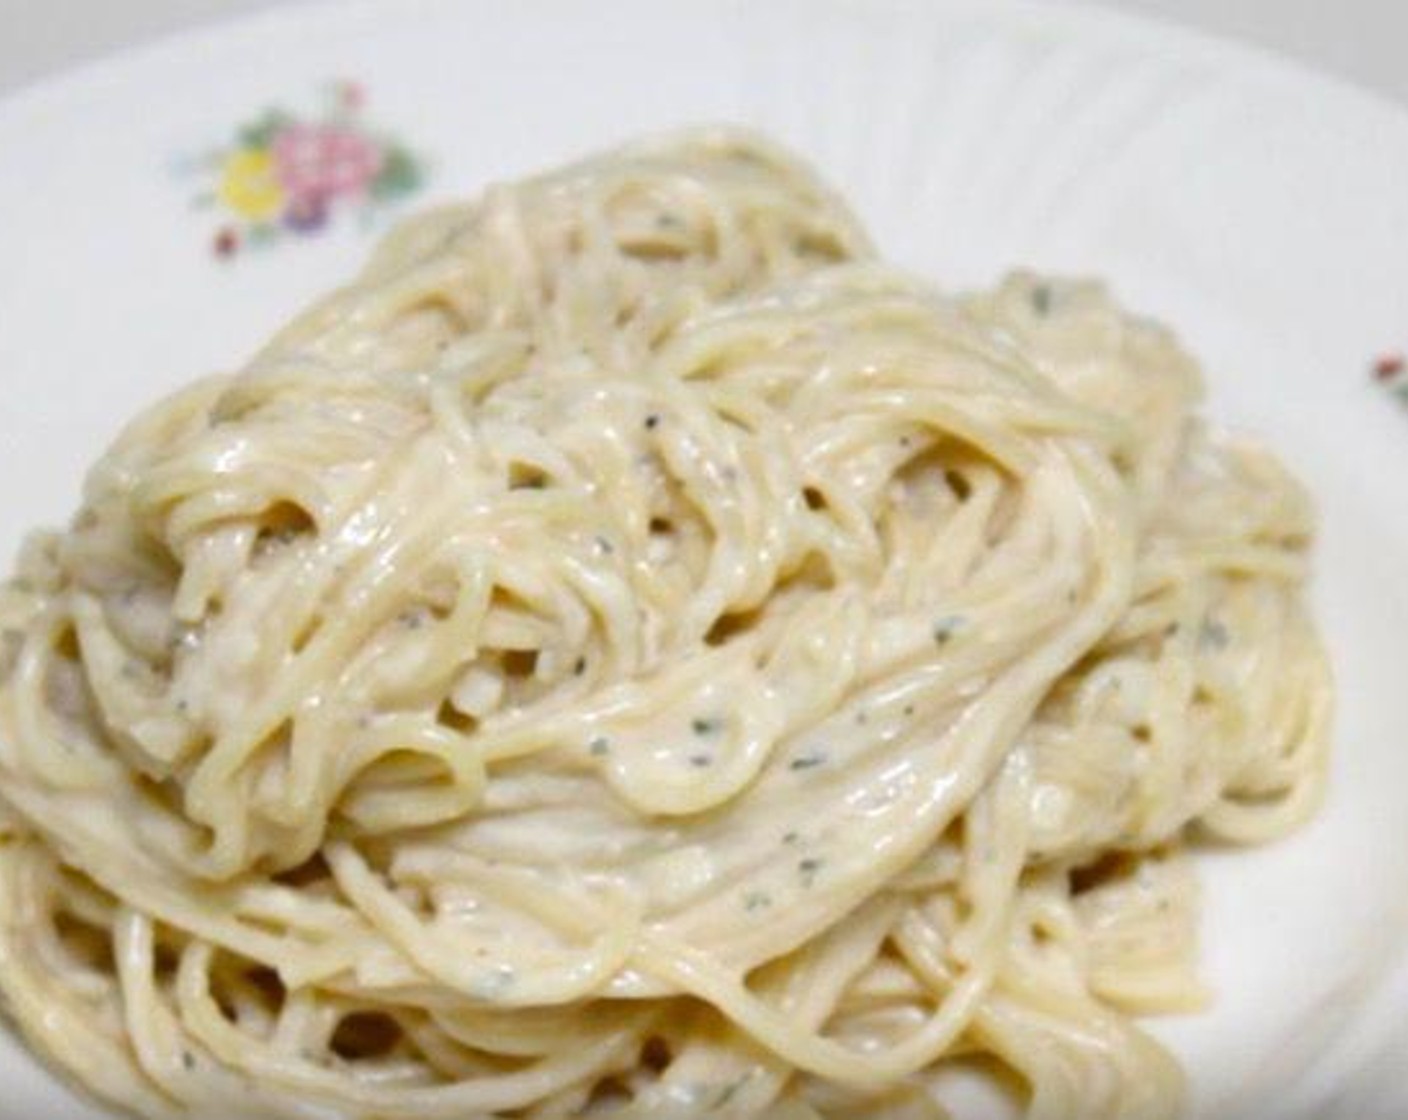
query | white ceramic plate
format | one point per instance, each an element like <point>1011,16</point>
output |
<point>1259,208</point>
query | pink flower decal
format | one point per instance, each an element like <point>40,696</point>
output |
<point>323,161</point>
<point>286,174</point>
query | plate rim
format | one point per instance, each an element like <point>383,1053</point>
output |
<point>1156,34</point>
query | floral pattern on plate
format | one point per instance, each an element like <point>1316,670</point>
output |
<point>1390,369</point>
<point>286,174</point>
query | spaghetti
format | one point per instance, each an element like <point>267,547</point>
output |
<point>633,652</point>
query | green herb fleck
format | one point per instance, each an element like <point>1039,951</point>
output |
<point>706,726</point>
<point>728,1092</point>
<point>807,761</point>
<point>756,900</point>
<point>493,983</point>
<point>599,746</point>
<point>807,869</point>
<point>1041,299</point>
<point>1213,634</point>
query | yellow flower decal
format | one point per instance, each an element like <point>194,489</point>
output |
<point>249,186</point>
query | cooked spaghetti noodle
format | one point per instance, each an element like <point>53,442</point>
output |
<point>634,652</point>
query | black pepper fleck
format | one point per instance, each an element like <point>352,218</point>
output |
<point>943,630</point>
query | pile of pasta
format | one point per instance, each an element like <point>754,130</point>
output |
<point>633,652</point>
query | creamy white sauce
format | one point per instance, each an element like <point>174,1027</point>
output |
<point>633,649</point>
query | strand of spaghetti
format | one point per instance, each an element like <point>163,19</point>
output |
<point>547,981</point>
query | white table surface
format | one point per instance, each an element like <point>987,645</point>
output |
<point>1365,41</point>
